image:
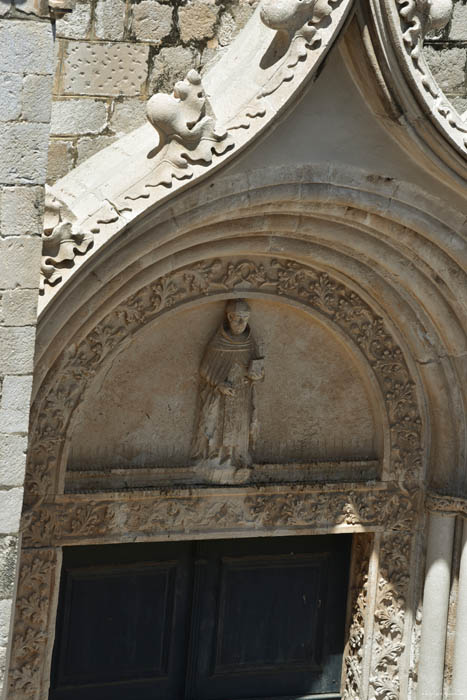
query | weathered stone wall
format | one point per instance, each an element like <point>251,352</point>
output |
<point>113,54</point>
<point>446,54</point>
<point>25,106</point>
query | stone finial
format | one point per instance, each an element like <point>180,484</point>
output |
<point>60,242</point>
<point>435,14</point>
<point>186,133</point>
<point>286,15</point>
<point>181,114</point>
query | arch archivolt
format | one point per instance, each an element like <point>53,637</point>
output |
<point>349,258</point>
<point>406,251</point>
<point>389,508</point>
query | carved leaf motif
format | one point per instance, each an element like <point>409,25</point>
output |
<point>354,653</point>
<point>32,610</point>
<point>243,120</point>
<point>389,614</point>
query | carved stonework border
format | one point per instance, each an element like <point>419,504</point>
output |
<point>353,656</point>
<point>36,583</point>
<point>51,519</point>
<point>392,598</point>
<point>407,24</point>
<point>112,517</point>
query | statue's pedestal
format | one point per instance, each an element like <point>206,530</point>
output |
<point>222,474</point>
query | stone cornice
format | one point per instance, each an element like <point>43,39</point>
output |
<point>446,505</point>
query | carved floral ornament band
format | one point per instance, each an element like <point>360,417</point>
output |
<point>97,518</point>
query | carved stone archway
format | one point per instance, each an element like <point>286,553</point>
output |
<point>388,510</point>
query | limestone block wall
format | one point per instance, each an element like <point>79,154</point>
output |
<point>111,55</point>
<point>25,106</point>
<point>446,54</point>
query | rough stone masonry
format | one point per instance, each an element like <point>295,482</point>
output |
<point>25,106</point>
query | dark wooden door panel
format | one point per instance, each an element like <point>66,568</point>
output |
<point>212,620</point>
<point>115,611</point>
<point>123,627</point>
<point>280,601</point>
<point>270,624</point>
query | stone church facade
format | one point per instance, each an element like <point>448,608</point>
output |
<point>233,310</point>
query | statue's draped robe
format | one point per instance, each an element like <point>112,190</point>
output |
<point>224,422</point>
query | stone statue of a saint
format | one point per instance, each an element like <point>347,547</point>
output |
<point>227,424</point>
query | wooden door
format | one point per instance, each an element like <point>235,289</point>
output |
<point>123,623</point>
<point>212,620</point>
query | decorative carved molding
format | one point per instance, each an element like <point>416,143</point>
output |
<point>447,505</point>
<point>353,656</point>
<point>111,517</point>
<point>286,278</point>
<point>61,242</point>
<point>415,19</point>
<point>36,576</point>
<point>391,599</point>
<point>186,134</point>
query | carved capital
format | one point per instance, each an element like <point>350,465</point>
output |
<point>446,505</point>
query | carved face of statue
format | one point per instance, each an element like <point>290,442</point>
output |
<point>238,321</point>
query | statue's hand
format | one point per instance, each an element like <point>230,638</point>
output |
<point>256,376</point>
<point>226,390</point>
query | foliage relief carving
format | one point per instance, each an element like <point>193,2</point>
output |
<point>186,133</point>
<point>149,513</point>
<point>353,657</point>
<point>36,574</point>
<point>62,240</point>
<point>391,600</point>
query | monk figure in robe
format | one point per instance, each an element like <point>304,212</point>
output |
<point>227,423</point>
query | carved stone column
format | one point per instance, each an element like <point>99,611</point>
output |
<point>459,675</point>
<point>435,607</point>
